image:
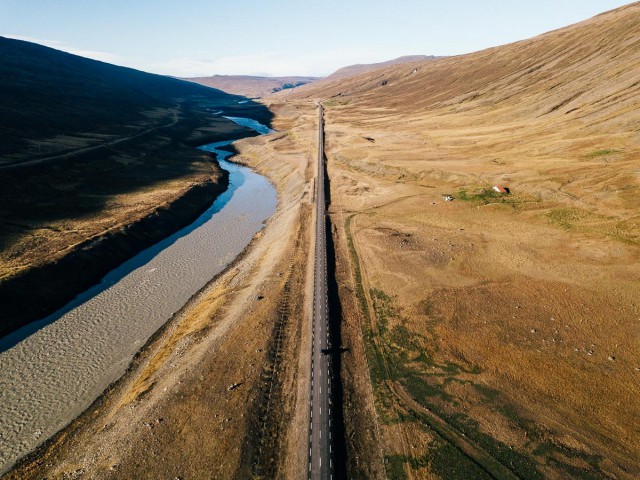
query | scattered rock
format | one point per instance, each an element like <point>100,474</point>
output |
<point>611,358</point>
<point>233,386</point>
<point>259,297</point>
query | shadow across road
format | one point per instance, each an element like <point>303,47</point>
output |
<point>335,351</point>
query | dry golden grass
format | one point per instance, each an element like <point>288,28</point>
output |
<point>512,319</point>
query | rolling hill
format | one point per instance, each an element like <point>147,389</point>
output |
<point>499,331</point>
<point>358,69</point>
<point>252,86</point>
<point>89,150</point>
<point>46,93</point>
<point>567,71</point>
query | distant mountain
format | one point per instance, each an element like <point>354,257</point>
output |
<point>358,69</point>
<point>251,86</point>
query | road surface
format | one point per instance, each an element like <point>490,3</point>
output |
<point>320,462</point>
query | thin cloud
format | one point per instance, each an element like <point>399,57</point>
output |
<point>58,45</point>
<point>266,64</point>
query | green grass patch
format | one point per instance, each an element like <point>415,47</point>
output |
<point>394,465</point>
<point>602,153</point>
<point>485,195</point>
<point>336,102</point>
<point>451,464</point>
<point>566,218</point>
<point>488,196</point>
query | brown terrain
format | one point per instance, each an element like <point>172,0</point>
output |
<point>252,86</point>
<point>97,162</point>
<point>361,68</point>
<point>218,392</point>
<point>493,336</point>
<point>500,331</point>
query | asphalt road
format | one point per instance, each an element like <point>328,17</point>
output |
<point>320,462</point>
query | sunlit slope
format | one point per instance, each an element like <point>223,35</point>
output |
<point>505,326</point>
<point>556,116</point>
<point>585,72</point>
<point>353,70</point>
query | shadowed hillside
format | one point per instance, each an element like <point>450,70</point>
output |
<point>47,93</point>
<point>88,150</point>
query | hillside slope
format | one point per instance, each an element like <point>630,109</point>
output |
<point>499,331</point>
<point>359,69</point>
<point>88,150</point>
<point>252,86</point>
<point>568,71</point>
<point>46,92</point>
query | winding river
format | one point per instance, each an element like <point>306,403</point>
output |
<point>53,369</point>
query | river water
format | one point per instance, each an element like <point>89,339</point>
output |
<point>53,369</point>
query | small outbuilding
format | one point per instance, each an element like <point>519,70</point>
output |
<point>501,189</point>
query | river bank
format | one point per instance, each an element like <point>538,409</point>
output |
<point>37,291</point>
<point>56,372</point>
<point>177,392</point>
<point>81,217</point>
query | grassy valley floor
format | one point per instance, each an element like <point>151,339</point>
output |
<point>498,329</point>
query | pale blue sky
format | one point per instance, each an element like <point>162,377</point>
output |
<point>281,37</point>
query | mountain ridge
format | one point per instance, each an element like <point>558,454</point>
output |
<point>360,68</point>
<point>251,85</point>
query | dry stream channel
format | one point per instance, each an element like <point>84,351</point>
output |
<point>53,369</point>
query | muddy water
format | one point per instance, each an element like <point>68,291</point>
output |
<point>52,370</point>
